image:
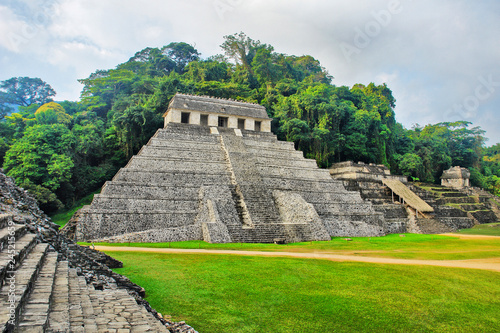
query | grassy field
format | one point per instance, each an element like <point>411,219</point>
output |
<point>489,229</point>
<point>226,293</point>
<point>411,246</point>
<point>63,216</point>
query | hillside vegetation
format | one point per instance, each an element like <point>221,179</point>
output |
<point>62,152</point>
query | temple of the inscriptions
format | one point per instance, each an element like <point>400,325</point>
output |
<point>216,172</point>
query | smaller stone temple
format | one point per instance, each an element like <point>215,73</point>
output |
<point>456,177</point>
<point>216,112</point>
<point>360,171</point>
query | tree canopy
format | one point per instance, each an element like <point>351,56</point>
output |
<point>24,91</point>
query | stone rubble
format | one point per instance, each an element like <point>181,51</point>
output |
<point>58,285</point>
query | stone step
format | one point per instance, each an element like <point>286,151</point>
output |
<point>456,223</point>
<point>170,136</point>
<point>282,162</point>
<point>120,203</point>
<point>180,146</point>
<point>169,165</point>
<point>303,184</point>
<point>396,226</point>
<point>117,310</point>
<point>433,226</point>
<point>456,200</point>
<point>59,310</point>
<point>178,178</point>
<point>179,143</point>
<point>268,152</point>
<point>274,144</point>
<point>472,207</point>
<point>18,286</point>
<point>341,208</point>
<point>293,172</point>
<point>351,227</point>
<point>392,211</point>
<point>12,256</point>
<point>484,216</point>
<point>199,156</point>
<point>13,230</point>
<point>143,191</point>
<point>446,211</point>
<point>333,198</point>
<point>81,312</point>
<point>449,194</point>
<point>374,218</point>
<point>35,313</point>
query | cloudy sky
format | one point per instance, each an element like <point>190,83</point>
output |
<point>440,58</point>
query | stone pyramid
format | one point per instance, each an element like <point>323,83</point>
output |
<point>215,172</point>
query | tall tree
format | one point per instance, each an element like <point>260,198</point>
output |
<point>182,54</point>
<point>24,91</point>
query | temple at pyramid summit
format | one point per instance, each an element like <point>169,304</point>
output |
<point>216,172</point>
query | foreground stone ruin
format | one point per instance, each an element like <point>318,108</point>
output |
<point>50,284</point>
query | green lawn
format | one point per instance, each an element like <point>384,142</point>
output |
<point>63,216</point>
<point>489,229</point>
<point>223,293</point>
<point>411,246</point>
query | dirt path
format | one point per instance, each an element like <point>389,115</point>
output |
<point>491,264</point>
<point>465,236</point>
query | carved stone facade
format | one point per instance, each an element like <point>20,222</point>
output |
<point>456,177</point>
<point>197,181</point>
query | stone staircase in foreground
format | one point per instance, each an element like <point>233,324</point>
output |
<point>40,293</point>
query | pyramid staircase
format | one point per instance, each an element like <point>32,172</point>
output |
<point>194,182</point>
<point>395,214</point>
<point>41,293</point>
<point>458,209</point>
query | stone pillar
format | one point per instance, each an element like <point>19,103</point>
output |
<point>173,116</point>
<point>265,126</point>
<point>194,119</point>
<point>213,120</point>
<point>232,122</point>
<point>176,116</point>
<point>250,125</point>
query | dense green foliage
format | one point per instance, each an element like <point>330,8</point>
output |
<point>224,293</point>
<point>64,151</point>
